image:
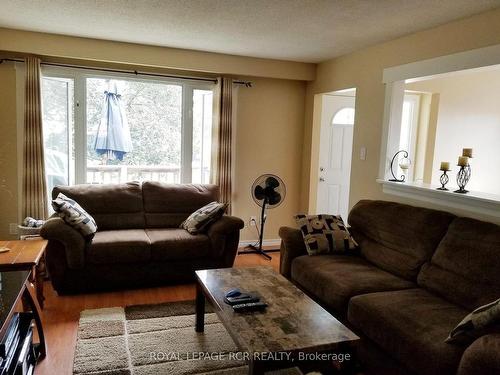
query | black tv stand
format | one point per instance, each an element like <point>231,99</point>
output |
<point>18,353</point>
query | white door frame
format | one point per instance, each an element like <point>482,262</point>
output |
<point>315,144</point>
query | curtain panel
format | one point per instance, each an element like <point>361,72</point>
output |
<point>34,183</point>
<point>223,135</point>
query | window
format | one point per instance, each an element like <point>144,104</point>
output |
<point>166,124</point>
<point>409,124</point>
<point>344,116</point>
<point>58,132</point>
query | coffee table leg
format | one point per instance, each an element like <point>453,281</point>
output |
<point>200,309</point>
<point>256,367</point>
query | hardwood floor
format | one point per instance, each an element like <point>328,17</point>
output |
<point>61,314</point>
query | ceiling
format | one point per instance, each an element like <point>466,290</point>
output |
<point>297,30</point>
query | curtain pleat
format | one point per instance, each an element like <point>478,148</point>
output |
<point>224,141</point>
<point>34,184</point>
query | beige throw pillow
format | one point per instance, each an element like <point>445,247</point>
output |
<point>201,219</point>
<point>482,320</point>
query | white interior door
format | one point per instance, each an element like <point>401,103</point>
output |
<point>337,127</point>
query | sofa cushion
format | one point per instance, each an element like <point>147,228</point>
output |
<point>113,206</point>
<point>465,267</point>
<point>175,243</point>
<point>325,234</point>
<point>483,320</point>
<point>168,205</point>
<point>200,220</point>
<point>396,237</point>
<point>119,246</point>
<point>411,326</point>
<point>334,279</point>
<point>74,215</point>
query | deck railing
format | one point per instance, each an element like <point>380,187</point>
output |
<point>109,174</point>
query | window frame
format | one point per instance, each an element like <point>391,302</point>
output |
<point>80,76</point>
<point>394,79</point>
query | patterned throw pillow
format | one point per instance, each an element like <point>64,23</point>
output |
<point>476,324</point>
<point>74,215</point>
<point>201,219</point>
<point>325,234</point>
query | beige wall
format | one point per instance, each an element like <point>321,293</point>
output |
<point>468,116</point>
<point>269,135</point>
<point>67,47</point>
<point>270,117</point>
<point>363,70</point>
<point>8,150</point>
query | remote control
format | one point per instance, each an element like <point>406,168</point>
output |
<point>253,306</point>
<point>233,293</point>
<point>241,299</point>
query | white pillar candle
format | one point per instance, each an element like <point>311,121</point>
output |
<point>445,166</point>
<point>463,161</point>
<point>467,152</point>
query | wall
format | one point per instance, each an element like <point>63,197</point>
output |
<point>8,150</point>
<point>363,70</point>
<point>269,122</point>
<point>60,47</point>
<point>269,134</point>
<point>468,116</point>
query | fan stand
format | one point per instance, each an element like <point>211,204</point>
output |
<point>252,249</point>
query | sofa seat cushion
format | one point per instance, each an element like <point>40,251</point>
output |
<point>176,243</point>
<point>411,326</point>
<point>334,279</point>
<point>119,246</point>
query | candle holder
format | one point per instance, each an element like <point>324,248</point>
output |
<point>444,179</point>
<point>403,177</point>
<point>463,177</point>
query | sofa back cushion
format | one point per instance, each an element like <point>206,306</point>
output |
<point>396,237</point>
<point>466,266</point>
<point>168,205</point>
<point>113,206</point>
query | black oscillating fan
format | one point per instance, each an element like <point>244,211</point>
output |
<point>268,191</point>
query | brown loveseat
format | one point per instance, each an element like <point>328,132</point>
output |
<point>138,242</point>
<point>418,273</point>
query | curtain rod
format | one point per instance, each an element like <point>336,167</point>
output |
<point>134,72</point>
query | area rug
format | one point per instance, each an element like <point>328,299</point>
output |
<point>155,339</point>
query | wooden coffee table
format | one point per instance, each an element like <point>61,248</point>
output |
<point>27,255</point>
<point>292,327</point>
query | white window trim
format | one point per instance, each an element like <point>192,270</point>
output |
<point>80,75</point>
<point>394,79</point>
<point>415,114</point>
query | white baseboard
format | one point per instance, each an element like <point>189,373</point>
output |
<point>272,242</point>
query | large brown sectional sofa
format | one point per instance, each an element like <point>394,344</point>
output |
<point>418,273</point>
<point>138,242</point>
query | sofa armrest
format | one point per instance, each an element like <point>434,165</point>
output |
<point>482,356</point>
<point>224,235</point>
<point>225,225</point>
<point>292,246</point>
<point>55,229</point>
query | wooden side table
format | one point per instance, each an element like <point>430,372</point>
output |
<point>28,255</point>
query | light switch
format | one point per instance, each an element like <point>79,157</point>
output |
<point>362,153</point>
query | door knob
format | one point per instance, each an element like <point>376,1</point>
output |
<point>321,169</point>
<point>322,179</point>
